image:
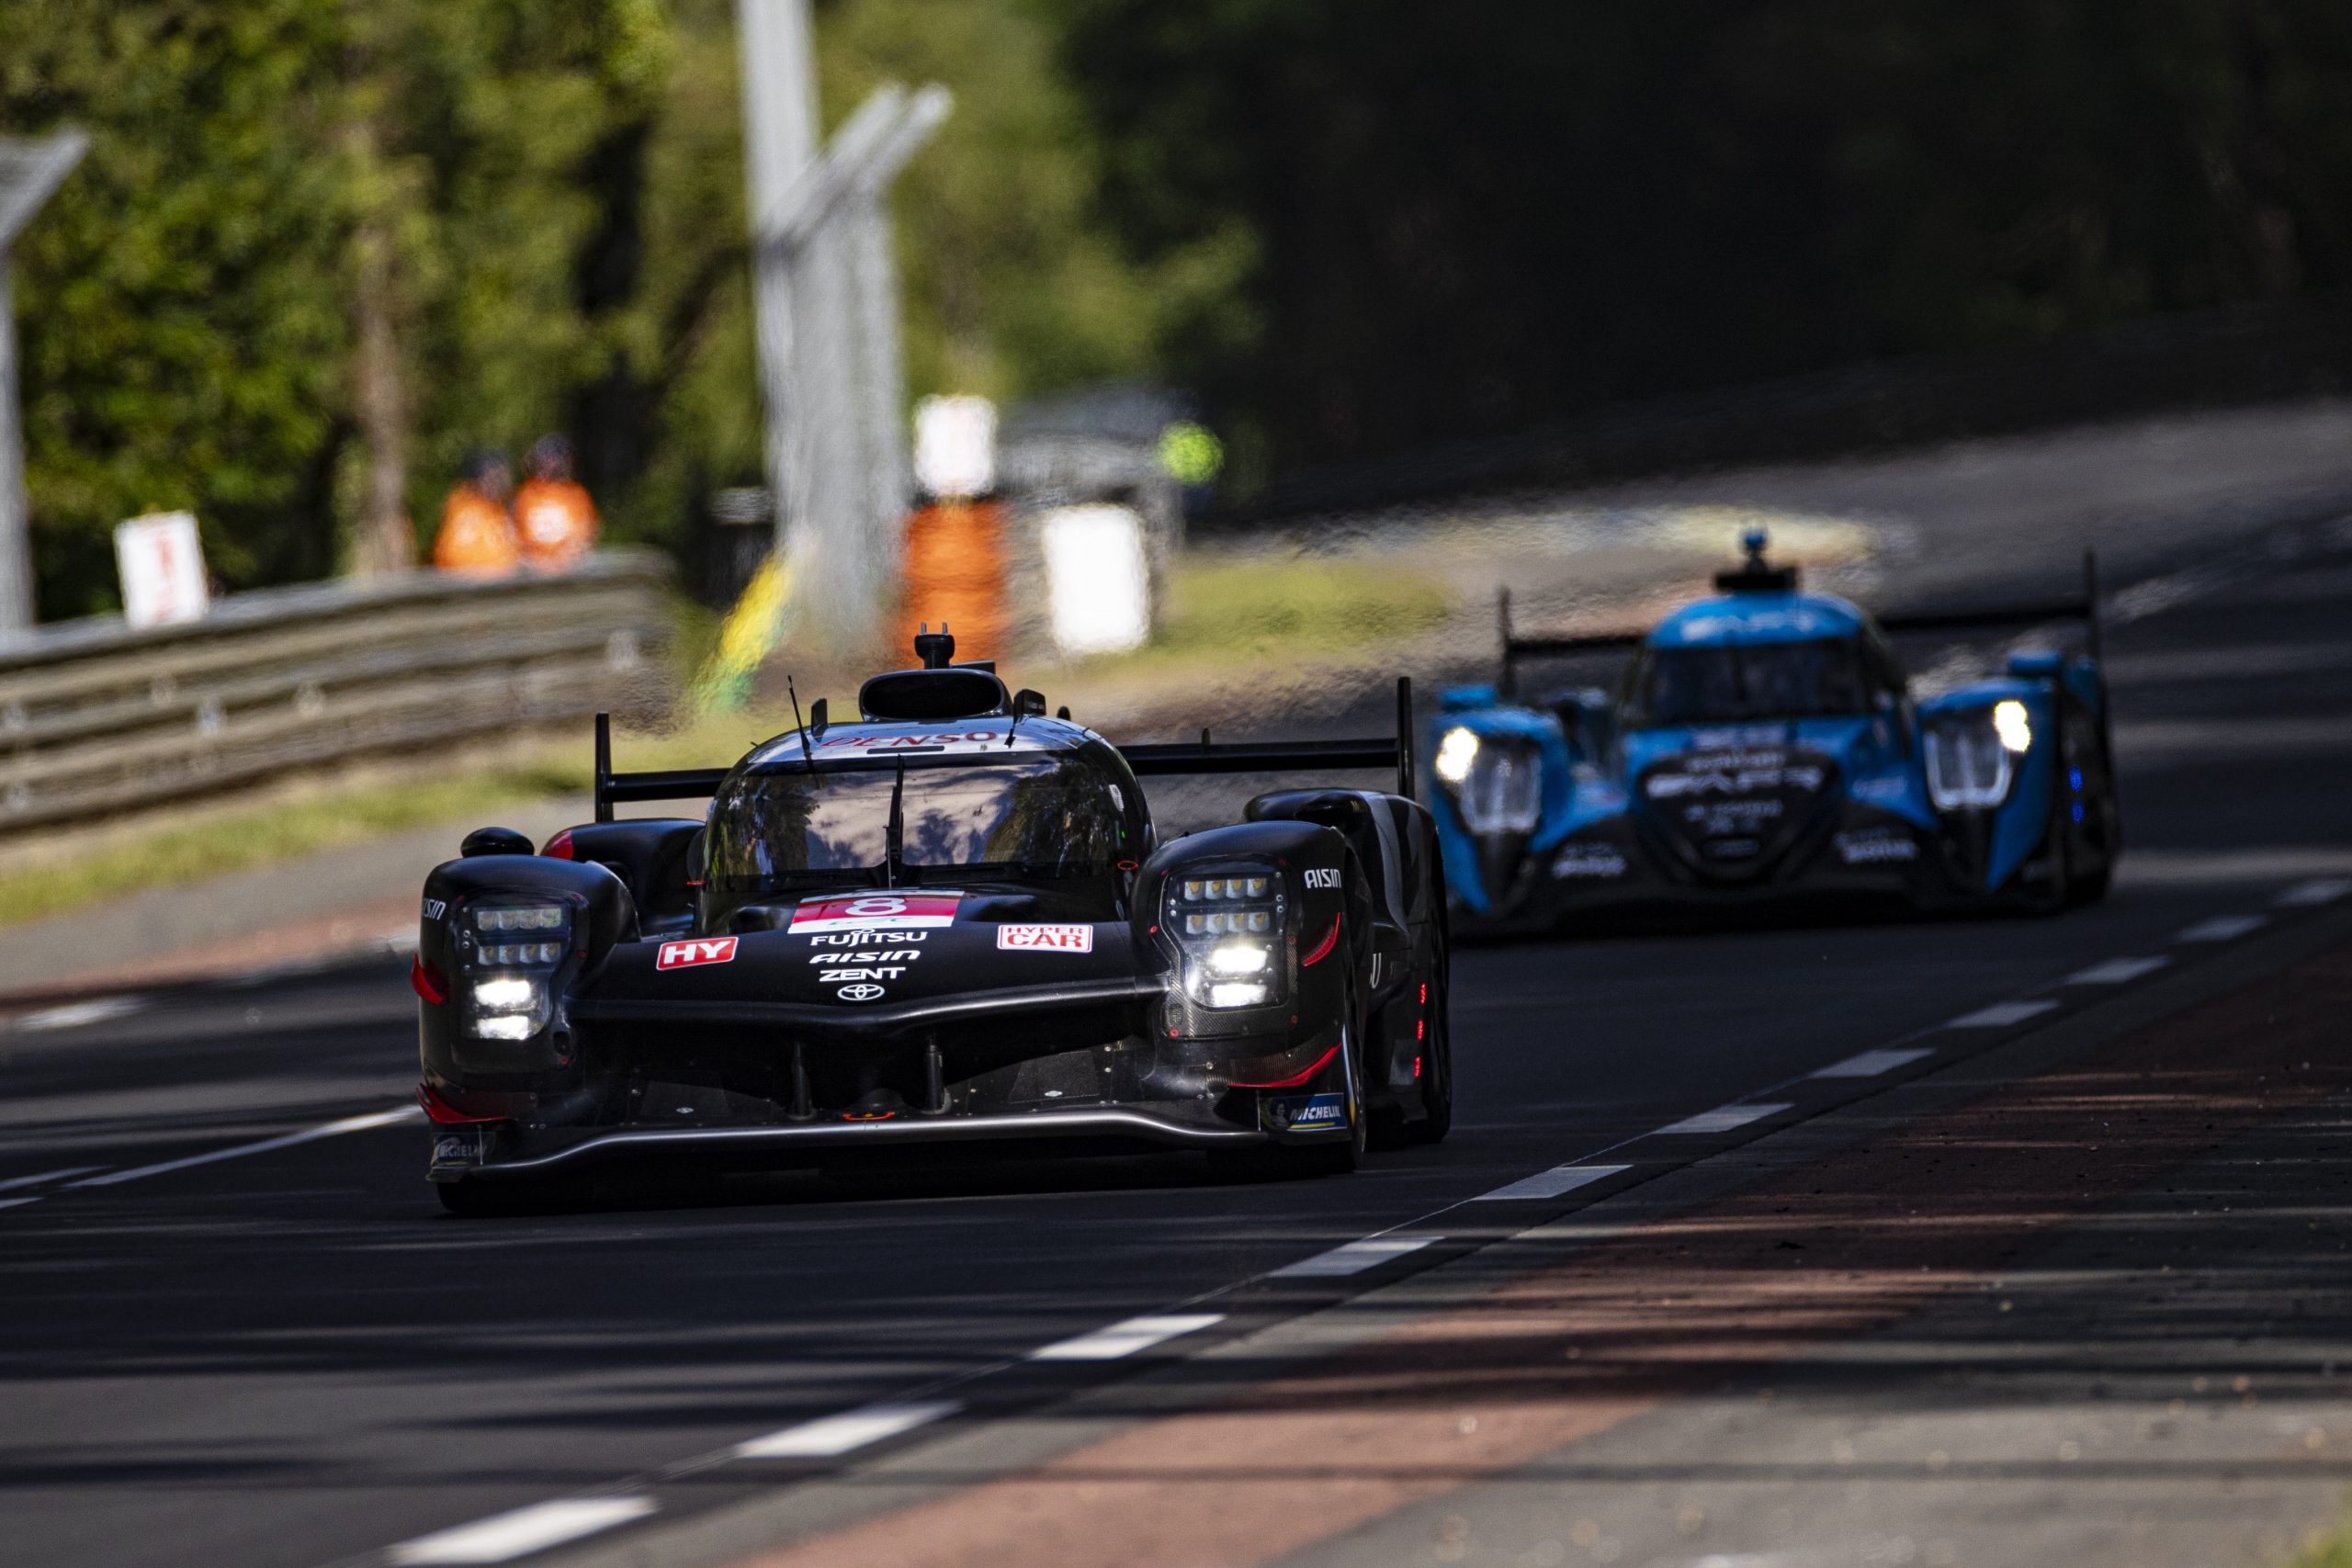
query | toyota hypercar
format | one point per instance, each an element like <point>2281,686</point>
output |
<point>1763,744</point>
<point>950,922</point>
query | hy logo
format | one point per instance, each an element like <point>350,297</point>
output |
<point>858,993</point>
<point>702,950</point>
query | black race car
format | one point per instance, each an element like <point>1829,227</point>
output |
<point>949,922</point>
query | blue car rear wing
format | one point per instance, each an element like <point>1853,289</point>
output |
<point>1992,618</point>
<point>1180,757</point>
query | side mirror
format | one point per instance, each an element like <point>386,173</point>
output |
<point>1027,703</point>
<point>817,716</point>
<point>494,842</point>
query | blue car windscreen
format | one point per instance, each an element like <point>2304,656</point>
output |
<point>1677,686</point>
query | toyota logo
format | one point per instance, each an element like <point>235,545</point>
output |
<point>858,993</point>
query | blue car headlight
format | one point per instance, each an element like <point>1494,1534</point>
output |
<point>1970,755</point>
<point>1496,782</point>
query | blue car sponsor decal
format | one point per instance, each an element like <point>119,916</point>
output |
<point>1298,1113</point>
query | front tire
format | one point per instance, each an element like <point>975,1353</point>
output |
<point>1339,1157</point>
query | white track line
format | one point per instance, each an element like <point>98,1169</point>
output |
<point>17,1203</point>
<point>502,1538</point>
<point>1354,1257</point>
<point>76,1013</point>
<point>1551,1183</point>
<point>2116,971</point>
<point>308,1134</point>
<point>2308,895</point>
<point>1722,1119</point>
<point>831,1435</point>
<point>2223,927</point>
<point>1125,1338</point>
<point>15,1181</point>
<point>1869,1063</point>
<point>2001,1015</point>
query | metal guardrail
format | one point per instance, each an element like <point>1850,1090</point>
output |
<point>96,718</point>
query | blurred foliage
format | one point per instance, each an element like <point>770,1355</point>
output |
<point>558,186</point>
<point>1459,218</point>
<point>1353,225</point>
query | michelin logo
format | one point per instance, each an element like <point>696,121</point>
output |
<point>1868,848</point>
<point>1588,859</point>
<point>1308,1115</point>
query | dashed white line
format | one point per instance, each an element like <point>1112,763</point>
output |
<point>502,1538</point>
<point>77,1013</point>
<point>1722,1119</point>
<point>308,1134</point>
<point>1354,1257</point>
<point>831,1435</point>
<point>2223,927</point>
<point>2116,971</point>
<point>1551,1183</point>
<point>16,1181</point>
<point>1126,1338</point>
<point>2307,894</point>
<point>2001,1015</point>
<point>1869,1063</point>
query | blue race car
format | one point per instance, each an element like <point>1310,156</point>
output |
<point>1764,744</point>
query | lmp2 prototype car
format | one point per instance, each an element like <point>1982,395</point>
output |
<point>946,922</point>
<point>1764,743</point>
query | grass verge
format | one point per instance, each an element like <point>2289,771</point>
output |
<point>1242,611</point>
<point>242,839</point>
<point>2321,1551</point>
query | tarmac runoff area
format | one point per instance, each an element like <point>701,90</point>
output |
<point>1940,1326</point>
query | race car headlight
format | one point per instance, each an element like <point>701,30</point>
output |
<point>1968,757</point>
<point>1229,927</point>
<point>507,955</point>
<point>1454,754</point>
<point>2011,723</point>
<point>1501,787</point>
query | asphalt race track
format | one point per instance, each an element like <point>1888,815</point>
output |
<point>290,1356</point>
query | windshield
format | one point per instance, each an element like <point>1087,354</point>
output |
<point>1055,816</point>
<point>1675,686</point>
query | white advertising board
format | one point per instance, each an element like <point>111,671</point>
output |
<point>162,563</point>
<point>955,447</point>
<point>1098,586</point>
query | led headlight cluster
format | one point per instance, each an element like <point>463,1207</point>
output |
<point>1230,927</point>
<point>506,956</point>
<point>1968,754</point>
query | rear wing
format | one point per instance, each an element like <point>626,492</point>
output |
<point>1183,757</point>
<point>1516,648</point>
<point>1995,617</point>
<point>2007,617</point>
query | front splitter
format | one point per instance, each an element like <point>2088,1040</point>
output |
<point>1137,1125</point>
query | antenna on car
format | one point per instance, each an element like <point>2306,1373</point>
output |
<point>935,649</point>
<point>1756,574</point>
<point>806,749</point>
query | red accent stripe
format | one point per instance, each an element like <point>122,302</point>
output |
<point>1295,1079</point>
<point>426,982</point>
<point>1323,949</point>
<point>448,1115</point>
